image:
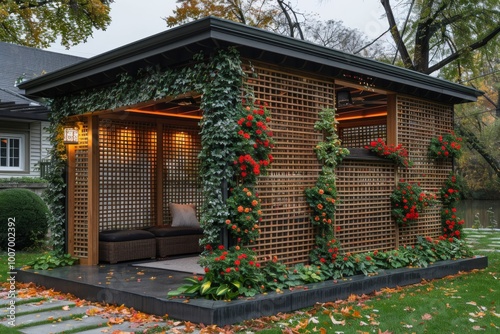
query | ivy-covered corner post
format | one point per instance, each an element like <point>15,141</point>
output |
<point>221,105</point>
<point>322,198</point>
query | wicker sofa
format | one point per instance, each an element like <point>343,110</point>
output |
<point>154,242</point>
<point>176,240</point>
<point>181,236</point>
<point>118,245</point>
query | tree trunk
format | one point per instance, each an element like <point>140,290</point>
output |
<point>479,148</point>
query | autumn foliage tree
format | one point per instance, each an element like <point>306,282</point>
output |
<point>40,23</point>
<point>256,13</point>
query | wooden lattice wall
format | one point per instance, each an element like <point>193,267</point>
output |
<point>363,219</point>
<point>78,182</point>
<point>127,177</point>
<point>361,135</point>
<point>418,122</point>
<point>294,102</point>
<point>136,178</point>
<point>181,167</point>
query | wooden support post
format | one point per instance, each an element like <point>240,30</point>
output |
<point>93,191</point>
<point>159,174</point>
<point>392,119</point>
<point>70,199</point>
<point>392,138</point>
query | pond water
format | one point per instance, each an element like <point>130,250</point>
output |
<point>480,213</point>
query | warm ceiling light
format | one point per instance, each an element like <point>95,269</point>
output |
<point>347,118</point>
<point>159,113</point>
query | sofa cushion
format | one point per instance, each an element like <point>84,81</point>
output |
<point>183,215</point>
<point>124,235</point>
<point>170,231</point>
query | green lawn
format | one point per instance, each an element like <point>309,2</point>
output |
<point>463,303</point>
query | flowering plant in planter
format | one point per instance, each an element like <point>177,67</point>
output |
<point>244,214</point>
<point>398,153</point>
<point>447,146</point>
<point>408,200</point>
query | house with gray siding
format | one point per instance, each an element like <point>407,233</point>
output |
<point>23,139</point>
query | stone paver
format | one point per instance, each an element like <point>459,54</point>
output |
<point>62,326</point>
<point>42,305</point>
<point>50,315</point>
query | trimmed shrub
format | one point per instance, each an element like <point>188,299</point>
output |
<point>29,213</point>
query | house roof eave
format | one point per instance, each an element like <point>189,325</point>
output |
<point>210,32</point>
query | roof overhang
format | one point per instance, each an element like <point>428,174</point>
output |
<point>177,46</point>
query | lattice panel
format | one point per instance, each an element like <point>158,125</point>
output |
<point>294,102</point>
<point>81,200</point>
<point>127,197</point>
<point>360,136</point>
<point>419,121</point>
<point>363,219</point>
<point>181,182</point>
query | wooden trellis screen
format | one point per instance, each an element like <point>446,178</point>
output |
<point>418,122</point>
<point>137,178</point>
<point>78,211</point>
<point>294,102</point>
<point>138,175</point>
<point>364,187</point>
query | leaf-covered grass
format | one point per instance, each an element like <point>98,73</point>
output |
<point>22,259</point>
<point>462,303</point>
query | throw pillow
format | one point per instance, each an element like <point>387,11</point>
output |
<point>183,215</point>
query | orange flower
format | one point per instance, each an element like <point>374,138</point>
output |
<point>321,191</point>
<point>255,202</point>
<point>240,209</point>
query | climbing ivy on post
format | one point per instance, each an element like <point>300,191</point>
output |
<point>323,196</point>
<point>218,78</point>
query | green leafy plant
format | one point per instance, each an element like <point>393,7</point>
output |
<point>23,219</point>
<point>408,200</point>
<point>398,154</point>
<point>228,274</point>
<point>53,260</point>
<point>446,146</point>
<point>23,179</point>
<point>322,197</point>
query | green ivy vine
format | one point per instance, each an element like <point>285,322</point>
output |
<point>220,78</point>
<point>323,196</point>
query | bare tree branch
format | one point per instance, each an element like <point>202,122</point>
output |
<point>405,56</point>
<point>472,47</point>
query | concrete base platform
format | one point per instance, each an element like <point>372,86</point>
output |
<point>146,289</point>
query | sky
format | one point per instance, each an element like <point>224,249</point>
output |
<point>133,20</point>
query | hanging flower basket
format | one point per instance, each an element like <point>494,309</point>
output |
<point>408,201</point>
<point>447,146</point>
<point>397,154</point>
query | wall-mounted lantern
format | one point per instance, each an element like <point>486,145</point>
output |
<point>70,135</point>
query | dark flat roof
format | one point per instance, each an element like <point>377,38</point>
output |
<point>177,46</point>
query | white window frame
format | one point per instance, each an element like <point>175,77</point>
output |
<point>22,152</point>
